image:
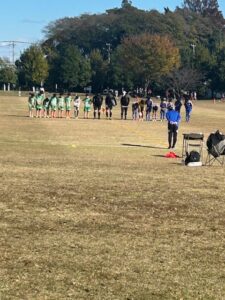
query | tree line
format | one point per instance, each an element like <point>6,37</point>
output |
<point>127,48</point>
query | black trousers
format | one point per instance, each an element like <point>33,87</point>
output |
<point>124,112</point>
<point>172,134</point>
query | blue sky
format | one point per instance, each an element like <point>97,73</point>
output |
<point>24,20</point>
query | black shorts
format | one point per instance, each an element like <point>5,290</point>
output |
<point>97,107</point>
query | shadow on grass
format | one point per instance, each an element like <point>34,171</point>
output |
<point>17,116</point>
<point>163,156</point>
<point>143,146</point>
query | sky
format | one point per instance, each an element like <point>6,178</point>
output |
<point>24,20</point>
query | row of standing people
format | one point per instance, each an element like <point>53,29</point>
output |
<point>60,106</point>
<point>148,109</point>
<point>47,106</point>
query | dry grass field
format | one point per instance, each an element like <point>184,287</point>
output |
<point>91,209</point>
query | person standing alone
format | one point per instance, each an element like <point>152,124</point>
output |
<point>173,118</point>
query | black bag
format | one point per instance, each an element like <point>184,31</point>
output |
<point>193,156</point>
<point>216,144</point>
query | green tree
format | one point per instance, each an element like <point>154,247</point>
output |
<point>145,58</point>
<point>126,3</point>
<point>118,77</point>
<point>85,72</point>
<point>202,6</point>
<point>69,65</point>
<point>73,69</point>
<point>183,79</point>
<point>33,66</point>
<point>208,8</point>
<point>8,73</point>
<point>199,23</point>
<point>99,69</point>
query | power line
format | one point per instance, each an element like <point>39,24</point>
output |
<point>13,44</point>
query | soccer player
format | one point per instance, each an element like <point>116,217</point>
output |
<point>163,107</point>
<point>76,104</point>
<point>68,105</point>
<point>141,109</point>
<point>87,106</point>
<point>53,104</point>
<point>39,103</point>
<point>135,106</point>
<point>110,102</point>
<point>155,108</point>
<point>97,105</point>
<point>149,104</point>
<point>61,105</point>
<point>188,109</point>
<point>178,104</point>
<point>124,102</point>
<point>31,104</point>
<point>46,105</point>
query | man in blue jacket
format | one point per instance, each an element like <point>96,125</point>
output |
<point>173,118</point>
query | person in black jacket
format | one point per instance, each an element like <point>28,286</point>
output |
<point>178,104</point>
<point>97,104</point>
<point>124,101</point>
<point>110,102</point>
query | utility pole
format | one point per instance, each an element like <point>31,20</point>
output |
<point>109,52</point>
<point>193,46</point>
<point>13,45</point>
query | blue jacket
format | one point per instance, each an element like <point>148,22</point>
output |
<point>188,106</point>
<point>173,117</point>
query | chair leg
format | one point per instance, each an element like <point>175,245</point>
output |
<point>210,160</point>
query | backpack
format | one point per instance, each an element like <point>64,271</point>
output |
<point>216,144</point>
<point>193,156</point>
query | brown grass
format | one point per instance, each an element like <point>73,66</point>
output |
<point>86,214</point>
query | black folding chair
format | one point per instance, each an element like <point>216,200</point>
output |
<point>193,141</point>
<point>211,159</point>
<point>215,148</point>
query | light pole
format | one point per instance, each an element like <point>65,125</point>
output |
<point>109,52</point>
<point>193,46</point>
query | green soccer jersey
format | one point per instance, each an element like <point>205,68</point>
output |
<point>39,100</point>
<point>61,102</point>
<point>87,102</point>
<point>54,101</point>
<point>31,100</point>
<point>68,101</point>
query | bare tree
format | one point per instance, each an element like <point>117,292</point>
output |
<point>184,79</point>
